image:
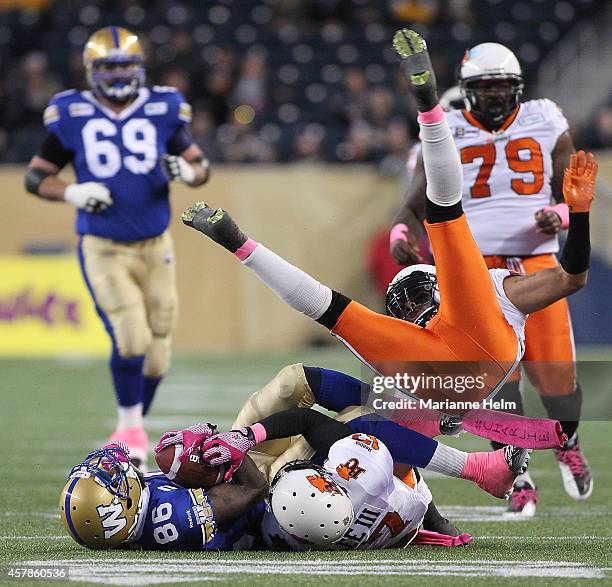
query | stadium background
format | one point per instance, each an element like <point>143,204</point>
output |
<point>299,106</point>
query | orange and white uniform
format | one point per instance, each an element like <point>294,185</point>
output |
<point>477,330</point>
<point>507,179</point>
<point>388,512</point>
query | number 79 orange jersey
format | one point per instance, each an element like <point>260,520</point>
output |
<point>507,176</point>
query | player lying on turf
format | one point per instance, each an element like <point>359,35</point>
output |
<point>481,313</point>
<point>107,501</point>
<point>353,501</point>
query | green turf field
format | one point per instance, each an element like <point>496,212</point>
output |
<point>54,412</point>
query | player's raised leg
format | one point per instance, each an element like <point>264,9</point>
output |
<point>467,295</point>
<point>372,336</point>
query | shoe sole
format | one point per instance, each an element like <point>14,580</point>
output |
<point>569,484</point>
<point>408,43</point>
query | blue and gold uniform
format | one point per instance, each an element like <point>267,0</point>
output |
<point>123,151</point>
<point>119,137</point>
<point>175,518</point>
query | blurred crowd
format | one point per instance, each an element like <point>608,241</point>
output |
<point>271,80</point>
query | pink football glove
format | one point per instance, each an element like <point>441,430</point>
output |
<point>228,447</point>
<point>191,438</point>
<point>117,446</point>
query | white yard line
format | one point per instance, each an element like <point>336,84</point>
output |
<point>121,571</point>
<point>465,513</point>
<point>41,537</point>
<point>50,515</point>
<point>531,538</point>
<point>476,537</point>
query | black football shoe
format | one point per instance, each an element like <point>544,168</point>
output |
<point>412,49</point>
<point>215,224</point>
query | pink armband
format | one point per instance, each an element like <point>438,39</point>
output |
<point>246,249</point>
<point>259,432</point>
<point>433,116</point>
<point>398,232</point>
<point>563,211</point>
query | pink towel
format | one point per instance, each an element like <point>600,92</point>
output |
<point>435,539</point>
<point>536,433</point>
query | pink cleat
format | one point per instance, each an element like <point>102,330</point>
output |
<point>523,501</point>
<point>575,470</point>
<point>138,443</point>
<point>496,471</point>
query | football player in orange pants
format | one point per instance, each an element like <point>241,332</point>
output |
<point>514,155</point>
<point>480,313</point>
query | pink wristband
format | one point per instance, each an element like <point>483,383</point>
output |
<point>433,116</point>
<point>259,432</point>
<point>246,249</point>
<point>563,211</point>
<point>398,232</point>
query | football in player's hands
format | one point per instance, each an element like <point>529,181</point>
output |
<point>192,473</point>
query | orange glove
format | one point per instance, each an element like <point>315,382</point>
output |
<point>579,181</point>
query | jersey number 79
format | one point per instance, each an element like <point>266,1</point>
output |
<point>530,162</point>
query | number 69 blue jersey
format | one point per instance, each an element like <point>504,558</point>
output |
<point>122,151</point>
<point>175,518</point>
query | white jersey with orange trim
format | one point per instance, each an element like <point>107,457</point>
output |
<point>388,512</point>
<point>507,176</point>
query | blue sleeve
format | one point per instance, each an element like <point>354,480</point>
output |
<point>56,120</point>
<point>179,110</point>
<point>337,391</point>
<point>405,445</point>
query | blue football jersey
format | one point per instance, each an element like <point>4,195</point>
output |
<point>122,151</point>
<point>175,518</point>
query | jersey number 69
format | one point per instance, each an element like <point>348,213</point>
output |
<point>103,156</point>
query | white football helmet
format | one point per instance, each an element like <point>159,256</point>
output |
<point>413,294</point>
<point>309,505</point>
<point>491,81</point>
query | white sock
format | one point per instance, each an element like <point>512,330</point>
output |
<point>442,164</point>
<point>129,417</point>
<point>298,289</point>
<point>447,460</point>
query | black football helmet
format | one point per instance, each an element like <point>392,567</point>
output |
<point>413,294</point>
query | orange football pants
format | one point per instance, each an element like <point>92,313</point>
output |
<point>469,326</point>
<point>549,359</point>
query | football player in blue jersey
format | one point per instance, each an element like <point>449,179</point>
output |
<point>107,502</point>
<point>125,142</point>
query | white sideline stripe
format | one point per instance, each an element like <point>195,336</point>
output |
<point>121,571</point>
